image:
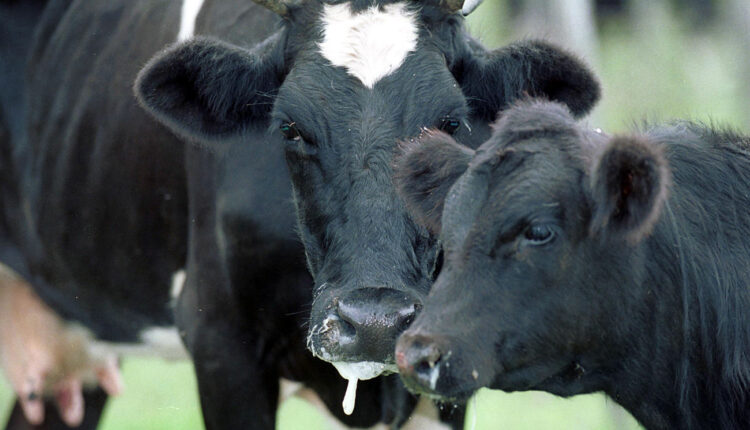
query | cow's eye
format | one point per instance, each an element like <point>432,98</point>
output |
<point>539,234</point>
<point>289,130</point>
<point>449,125</point>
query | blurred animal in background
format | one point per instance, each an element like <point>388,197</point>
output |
<point>578,262</point>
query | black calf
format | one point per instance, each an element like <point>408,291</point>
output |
<point>578,262</point>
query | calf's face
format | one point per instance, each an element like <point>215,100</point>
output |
<point>343,84</point>
<point>541,228</point>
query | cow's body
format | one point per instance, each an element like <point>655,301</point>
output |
<point>100,217</point>
<point>589,263</point>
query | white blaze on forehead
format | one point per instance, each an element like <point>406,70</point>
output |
<point>190,9</point>
<point>371,44</point>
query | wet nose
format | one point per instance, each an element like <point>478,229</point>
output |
<point>419,362</point>
<point>369,320</point>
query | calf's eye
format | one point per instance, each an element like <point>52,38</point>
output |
<point>449,125</point>
<point>539,234</point>
<point>289,130</point>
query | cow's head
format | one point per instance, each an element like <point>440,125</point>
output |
<point>344,82</point>
<point>543,231</point>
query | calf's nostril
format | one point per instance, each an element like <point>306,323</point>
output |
<point>419,361</point>
<point>428,360</point>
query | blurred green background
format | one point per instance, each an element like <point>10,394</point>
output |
<point>657,60</point>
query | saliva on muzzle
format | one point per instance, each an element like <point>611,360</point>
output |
<point>354,372</point>
<point>359,332</point>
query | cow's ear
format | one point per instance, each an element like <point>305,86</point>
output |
<point>629,182</point>
<point>210,91</point>
<point>492,80</point>
<point>425,170</point>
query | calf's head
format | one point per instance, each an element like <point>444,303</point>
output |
<point>542,229</point>
<point>342,83</point>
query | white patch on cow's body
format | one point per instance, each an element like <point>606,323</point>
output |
<point>190,9</point>
<point>371,44</point>
<point>178,281</point>
<point>161,342</point>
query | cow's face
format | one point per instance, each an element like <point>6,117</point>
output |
<point>541,232</point>
<point>343,84</point>
<point>372,264</point>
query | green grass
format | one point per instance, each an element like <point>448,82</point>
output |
<point>162,395</point>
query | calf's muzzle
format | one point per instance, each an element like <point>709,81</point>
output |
<point>420,361</point>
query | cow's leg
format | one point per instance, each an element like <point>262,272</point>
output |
<point>94,402</point>
<point>237,388</point>
<point>238,385</point>
<point>44,358</point>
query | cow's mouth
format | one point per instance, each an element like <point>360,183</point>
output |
<point>354,372</point>
<point>551,377</point>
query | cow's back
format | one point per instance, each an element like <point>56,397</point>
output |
<point>102,224</point>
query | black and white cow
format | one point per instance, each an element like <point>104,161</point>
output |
<point>579,262</point>
<point>343,82</point>
<point>122,230</point>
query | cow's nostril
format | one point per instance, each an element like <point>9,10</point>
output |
<point>407,317</point>
<point>428,360</point>
<point>420,362</point>
<point>371,319</point>
<point>337,330</point>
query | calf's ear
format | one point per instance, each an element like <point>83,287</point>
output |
<point>492,80</point>
<point>210,91</point>
<point>629,182</point>
<point>425,170</point>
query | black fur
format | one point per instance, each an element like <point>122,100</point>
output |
<point>425,170</point>
<point>532,68</point>
<point>356,231</point>
<point>216,89</point>
<point>582,269</point>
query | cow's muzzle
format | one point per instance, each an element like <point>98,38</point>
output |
<point>362,325</point>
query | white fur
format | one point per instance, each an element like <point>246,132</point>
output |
<point>190,9</point>
<point>178,281</point>
<point>371,44</point>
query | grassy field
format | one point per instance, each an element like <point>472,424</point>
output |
<point>656,72</point>
<point>162,396</point>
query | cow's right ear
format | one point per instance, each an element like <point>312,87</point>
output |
<point>210,91</point>
<point>425,170</point>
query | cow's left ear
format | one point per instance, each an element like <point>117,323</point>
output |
<point>209,91</point>
<point>492,80</point>
<point>425,170</point>
<point>629,182</point>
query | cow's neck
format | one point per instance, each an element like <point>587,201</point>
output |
<point>665,378</point>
